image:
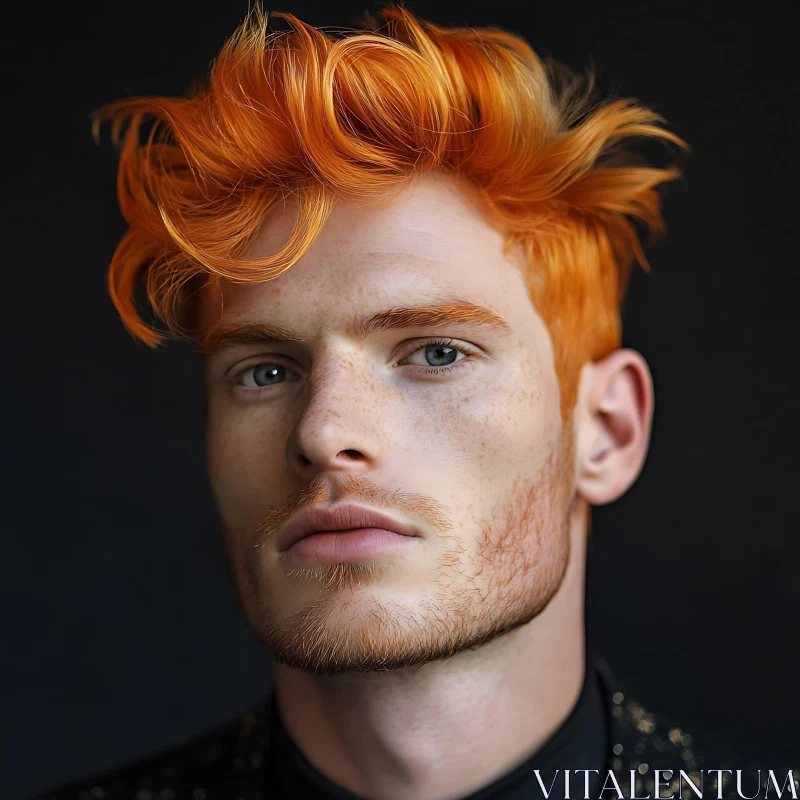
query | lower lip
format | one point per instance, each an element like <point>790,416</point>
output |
<point>336,546</point>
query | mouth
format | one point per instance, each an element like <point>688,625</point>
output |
<point>348,545</point>
<point>340,522</point>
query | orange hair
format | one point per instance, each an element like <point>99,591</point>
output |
<point>329,117</point>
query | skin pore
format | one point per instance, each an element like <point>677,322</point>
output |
<point>427,672</point>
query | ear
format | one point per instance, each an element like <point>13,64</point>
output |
<point>614,415</point>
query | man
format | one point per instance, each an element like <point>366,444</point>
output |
<point>403,254</point>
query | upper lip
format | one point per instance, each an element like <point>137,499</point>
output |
<point>337,518</point>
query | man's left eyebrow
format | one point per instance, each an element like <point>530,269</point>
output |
<point>458,312</point>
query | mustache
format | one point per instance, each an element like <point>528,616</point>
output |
<point>356,488</point>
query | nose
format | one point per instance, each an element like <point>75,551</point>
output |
<point>339,428</point>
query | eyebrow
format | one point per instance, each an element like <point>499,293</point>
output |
<point>451,312</point>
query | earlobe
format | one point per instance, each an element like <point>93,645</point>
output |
<point>615,423</point>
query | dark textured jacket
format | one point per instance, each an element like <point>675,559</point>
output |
<point>233,762</point>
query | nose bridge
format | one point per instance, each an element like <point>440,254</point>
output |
<point>336,378</point>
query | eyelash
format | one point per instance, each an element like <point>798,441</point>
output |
<point>467,351</point>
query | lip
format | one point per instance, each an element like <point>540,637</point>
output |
<point>338,518</point>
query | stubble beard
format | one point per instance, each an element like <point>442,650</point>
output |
<point>503,583</point>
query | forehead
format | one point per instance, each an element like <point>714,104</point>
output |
<point>429,243</point>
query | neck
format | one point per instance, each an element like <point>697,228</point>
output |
<point>447,728</point>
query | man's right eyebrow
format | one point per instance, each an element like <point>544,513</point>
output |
<point>360,327</point>
<point>222,337</point>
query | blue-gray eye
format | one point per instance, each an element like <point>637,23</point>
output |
<point>439,353</point>
<point>441,356</point>
<point>267,374</point>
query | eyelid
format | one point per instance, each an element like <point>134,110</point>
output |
<point>417,344</point>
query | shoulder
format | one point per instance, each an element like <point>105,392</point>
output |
<point>643,742</point>
<point>222,764</point>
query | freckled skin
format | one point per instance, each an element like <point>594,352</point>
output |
<point>477,458</point>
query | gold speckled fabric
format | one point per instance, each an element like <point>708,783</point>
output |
<point>234,763</point>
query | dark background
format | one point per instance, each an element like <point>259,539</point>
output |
<point>121,634</point>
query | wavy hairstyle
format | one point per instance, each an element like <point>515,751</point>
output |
<point>330,115</point>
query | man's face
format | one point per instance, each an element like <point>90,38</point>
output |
<point>462,441</point>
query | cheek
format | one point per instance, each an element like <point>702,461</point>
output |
<point>244,459</point>
<point>491,433</point>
